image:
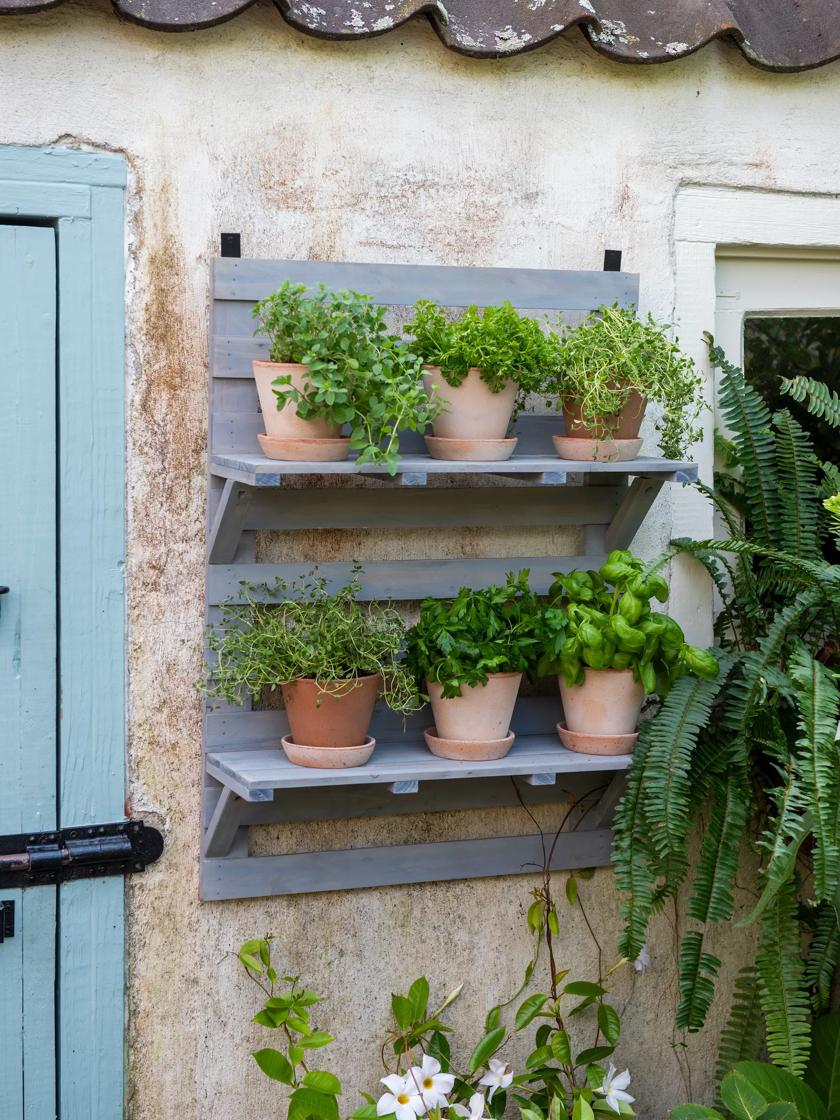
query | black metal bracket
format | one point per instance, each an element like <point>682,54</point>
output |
<point>42,858</point>
<point>612,260</point>
<point>7,919</point>
<point>231,245</point>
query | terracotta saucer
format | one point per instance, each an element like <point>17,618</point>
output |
<point>463,750</point>
<point>328,758</point>
<point>582,743</point>
<point>581,449</point>
<point>305,450</point>
<point>471,450</point>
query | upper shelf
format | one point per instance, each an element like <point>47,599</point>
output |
<point>256,470</point>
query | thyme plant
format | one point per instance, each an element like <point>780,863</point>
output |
<point>611,353</point>
<point>358,373</point>
<point>286,632</point>
<point>751,759</point>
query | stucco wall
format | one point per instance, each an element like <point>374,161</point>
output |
<point>387,150</point>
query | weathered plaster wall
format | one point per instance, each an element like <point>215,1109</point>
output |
<point>388,150</point>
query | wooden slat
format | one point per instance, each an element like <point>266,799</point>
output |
<point>380,509</point>
<point>400,580</point>
<point>405,863</point>
<point>238,729</point>
<point>33,200</point>
<point>252,772</point>
<point>256,470</point>
<point>403,284</point>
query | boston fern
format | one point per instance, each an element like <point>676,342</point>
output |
<point>359,374</point>
<point>751,758</point>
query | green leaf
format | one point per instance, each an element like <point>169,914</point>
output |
<point>698,972</point>
<point>539,1057</point>
<point>694,1112</point>
<point>403,1011</point>
<point>305,1103</point>
<point>609,1023</point>
<point>529,1010</point>
<point>366,1112</point>
<point>583,988</point>
<point>741,1097</point>
<point>486,1048</point>
<point>582,1110</point>
<point>561,1048</point>
<point>782,991</point>
<point>823,1072</point>
<point>275,1065</point>
<point>322,1082</point>
<point>781,1110</point>
<point>493,1018</point>
<point>571,889</point>
<point>316,1039</point>
<point>776,1084</point>
<point>530,1114</point>
<point>593,1054</point>
<point>418,997</point>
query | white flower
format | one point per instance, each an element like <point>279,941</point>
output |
<point>643,960</point>
<point>401,1100</point>
<point>432,1085</point>
<point>614,1087</point>
<point>475,1111</point>
<point>498,1076</point>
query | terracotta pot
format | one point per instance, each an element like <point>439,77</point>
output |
<point>580,743</point>
<point>618,425</point>
<point>458,750</point>
<point>331,719</point>
<point>305,450</point>
<point>471,450</point>
<point>327,758</point>
<point>607,703</point>
<point>480,713</point>
<point>581,450</point>
<point>286,424</point>
<point>472,411</point>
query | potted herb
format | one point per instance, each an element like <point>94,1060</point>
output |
<point>333,362</point>
<point>607,371</point>
<point>479,367</point>
<point>469,654</point>
<point>612,650</point>
<point>329,657</point>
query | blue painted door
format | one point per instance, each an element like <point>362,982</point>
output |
<point>28,656</point>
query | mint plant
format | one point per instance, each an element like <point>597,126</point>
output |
<point>503,344</point>
<point>358,373</point>
<point>600,362</point>
<point>461,641</point>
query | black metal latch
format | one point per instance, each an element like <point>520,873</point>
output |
<point>40,858</point>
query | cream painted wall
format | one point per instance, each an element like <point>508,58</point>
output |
<point>387,150</point>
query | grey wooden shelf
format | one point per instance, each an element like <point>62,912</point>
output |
<point>248,780</point>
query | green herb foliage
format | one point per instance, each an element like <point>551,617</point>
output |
<point>499,341</point>
<point>608,623</point>
<point>459,642</point>
<point>359,373</point>
<point>751,758</point>
<point>611,353</point>
<point>291,631</point>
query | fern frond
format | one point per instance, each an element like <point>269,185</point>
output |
<point>698,972</point>
<point>743,1035</point>
<point>823,957</point>
<point>784,999</point>
<point>633,857</point>
<point>748,420</point>
<point>796,466</point>
<point>670,741</point>
<point>816,396</point>
<point>817,759</point>
<point>712,894</point>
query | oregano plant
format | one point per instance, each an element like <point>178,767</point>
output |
<point>358,372</point>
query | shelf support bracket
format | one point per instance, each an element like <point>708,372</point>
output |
<point>229,522</point>
<point>634,508</point>
<point>224,824</point>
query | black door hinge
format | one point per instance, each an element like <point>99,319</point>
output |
<point>7,919</point>
<point>40,858</point>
